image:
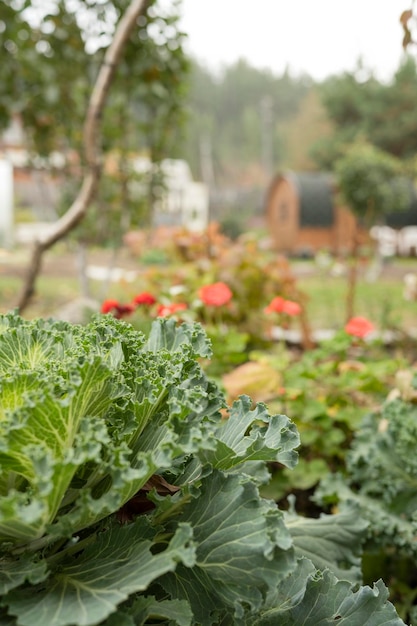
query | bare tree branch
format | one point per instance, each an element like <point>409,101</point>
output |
<point>92,151</point>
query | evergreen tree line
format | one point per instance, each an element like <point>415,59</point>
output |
<point>245,124</point>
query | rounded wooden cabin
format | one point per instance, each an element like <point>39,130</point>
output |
<point>302,216</point>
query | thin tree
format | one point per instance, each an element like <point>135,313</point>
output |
<point>92,152</point>
<point>372,184</point>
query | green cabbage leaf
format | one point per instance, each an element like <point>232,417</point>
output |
<point>128,497</point>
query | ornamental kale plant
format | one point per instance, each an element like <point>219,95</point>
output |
<point>381,478</point>
<point>128,496</point>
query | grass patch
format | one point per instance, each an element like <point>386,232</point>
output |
<point>51,293</point>
<point>381,301</point>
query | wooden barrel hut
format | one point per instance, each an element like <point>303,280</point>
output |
<point>302,216</point>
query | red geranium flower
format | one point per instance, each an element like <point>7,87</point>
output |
<point>359,327</point>
<point>124,309</point>
<point>145,298</point>
<point>276,305</point>
<point>216,294</point>
<point>164,310</point>
<point>280,305</point>
<point>109,306</point>
<point>116,309</point>
<point>291,308</point>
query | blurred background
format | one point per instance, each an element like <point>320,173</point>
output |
<point>220,118</point>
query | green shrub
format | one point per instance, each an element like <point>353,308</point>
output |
<point>328,391</point>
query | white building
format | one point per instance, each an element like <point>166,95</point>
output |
<point>183,201</point>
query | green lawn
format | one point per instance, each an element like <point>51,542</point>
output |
<point>381,301</point>
<point>51,293</point>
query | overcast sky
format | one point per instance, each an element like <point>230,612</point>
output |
<point>318,37</point>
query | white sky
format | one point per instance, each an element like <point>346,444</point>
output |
<point>318,37</point>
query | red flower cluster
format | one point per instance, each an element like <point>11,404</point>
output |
<point>359,327</point>
<point>109,306</point>
<point>164,310</point>
<point>280,305</point>
<point>117,309</point>
<point>216,294</point>
<point>144,298</point>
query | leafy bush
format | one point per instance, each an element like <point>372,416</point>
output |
<point>254,276</point>
<point>381,478</point>
<point>127,498</point>
<point>327,391</point>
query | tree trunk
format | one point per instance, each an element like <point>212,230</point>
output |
<point>306,338</point>
<point>352,276</point>
<point>92,151</point>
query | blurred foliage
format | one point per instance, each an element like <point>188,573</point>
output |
<point>114,209</point>
<point>50,54</point>
<point>327,391</point>
<point>359,106</point>
<point>192,260</point>
<point>380,475</point>
<point>235,127</point>
<point>371,182</point>
<point>229,115</point>
<point>309,124</point>
<point>46,74</point>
